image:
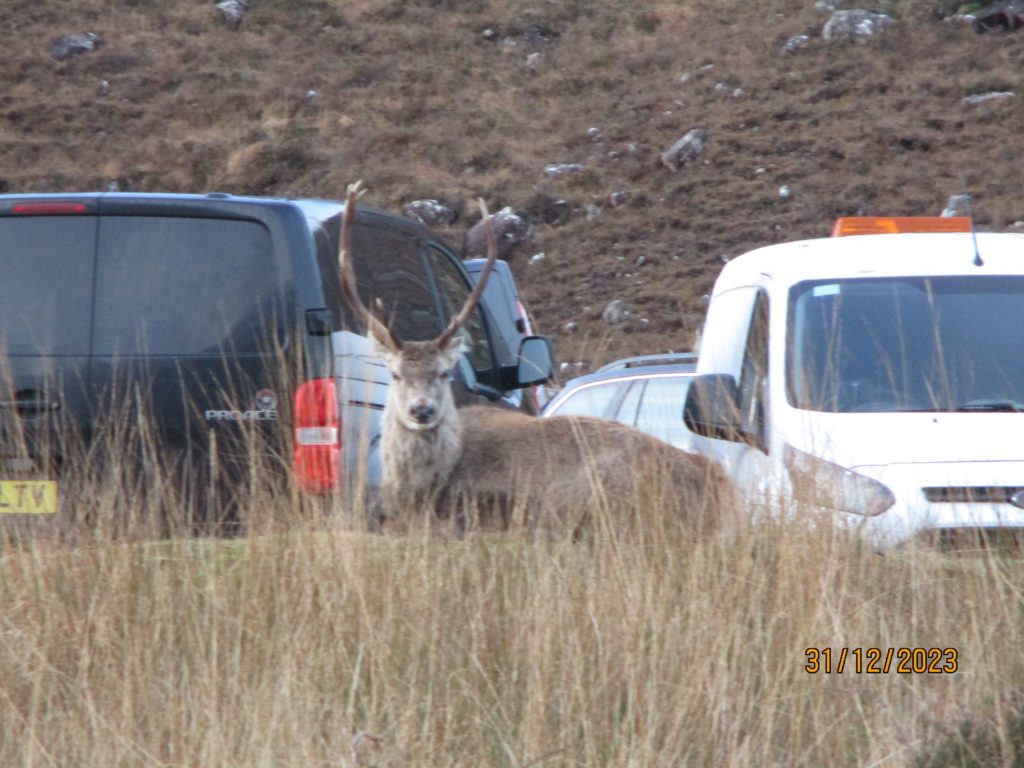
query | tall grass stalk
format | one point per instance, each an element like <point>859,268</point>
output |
<point>311,644</point>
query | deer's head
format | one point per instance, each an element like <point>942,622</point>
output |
<point>420,394</point>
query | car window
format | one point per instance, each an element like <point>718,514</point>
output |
<point>453,290</point>
<point>46,273</point>
<point>592,400</point>
<point>389,268</point>
<point>174,285</point>
<point>754,372</point>
<point>661,409</point>
<point>500,299</point>
<point>626,412</point>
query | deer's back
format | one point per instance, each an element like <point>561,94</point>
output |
<point>572,462</point>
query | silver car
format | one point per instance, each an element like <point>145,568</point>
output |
<point>648,397</point>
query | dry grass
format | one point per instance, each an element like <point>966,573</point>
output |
<point>309,643</point>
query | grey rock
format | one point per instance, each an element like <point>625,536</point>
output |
<point>233,12</point>
<point>685,150</point>
<point>981,98</point>
<point>431,212</point>
<point>510,229</point>
<point>1008,16</point>
<point>73,45</point>
<point>615,199</point>
<point>795,43</point>
<point>855,25</point>
<point>615,312</point>
<point>561,170</point>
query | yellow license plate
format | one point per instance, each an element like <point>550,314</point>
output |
<point>28,497</point>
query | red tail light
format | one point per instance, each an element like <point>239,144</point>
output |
<point>48,208</point>
<point>317,437</point>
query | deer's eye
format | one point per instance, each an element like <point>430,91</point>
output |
<point>443,376</point>
<point>395,377</point>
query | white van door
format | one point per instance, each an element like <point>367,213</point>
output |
<point>747,461</point>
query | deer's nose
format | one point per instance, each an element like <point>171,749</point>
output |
<point>423,412</point>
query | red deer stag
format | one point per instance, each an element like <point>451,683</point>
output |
<point>492,468</point>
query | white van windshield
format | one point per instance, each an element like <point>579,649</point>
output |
<point>907,344</point>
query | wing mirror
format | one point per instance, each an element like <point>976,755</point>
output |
<point>536,361</point>
<point>712,409</point>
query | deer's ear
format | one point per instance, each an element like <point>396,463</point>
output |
<point>451,351</point>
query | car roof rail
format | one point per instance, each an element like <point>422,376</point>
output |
<point>667,358</point>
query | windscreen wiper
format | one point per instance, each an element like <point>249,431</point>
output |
<point>1005,406</point>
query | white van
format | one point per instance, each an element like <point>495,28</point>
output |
<point>877,375</point>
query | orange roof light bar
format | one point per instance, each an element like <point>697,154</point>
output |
<point>892,225</point>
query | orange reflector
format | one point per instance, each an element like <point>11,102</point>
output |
<point>892,225</point>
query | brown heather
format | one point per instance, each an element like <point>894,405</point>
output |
<point>414,98</point>
<point>306,641</point>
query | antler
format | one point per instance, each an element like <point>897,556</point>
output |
<point>376,327</point>
<point>474,298</point>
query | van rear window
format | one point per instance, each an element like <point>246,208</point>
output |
<point>46,265</point>
<point>180,286</point>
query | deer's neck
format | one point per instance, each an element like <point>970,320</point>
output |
<point>420,462</point>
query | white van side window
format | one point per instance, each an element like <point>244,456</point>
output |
<point>754,373</point>
<point>729,314</point>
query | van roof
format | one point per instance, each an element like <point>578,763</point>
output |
<point>876,256</point>
<point>214,203</point>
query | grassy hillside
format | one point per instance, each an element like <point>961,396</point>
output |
<point>452,99</point>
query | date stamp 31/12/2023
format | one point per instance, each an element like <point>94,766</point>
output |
<point>881,661</point>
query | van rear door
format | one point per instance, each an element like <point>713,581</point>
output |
<point>190,324</point>
<point>47,253</point>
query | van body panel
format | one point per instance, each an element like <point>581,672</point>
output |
<point>362,393</point>
<point>962,498</point>
<point>868,439</point>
